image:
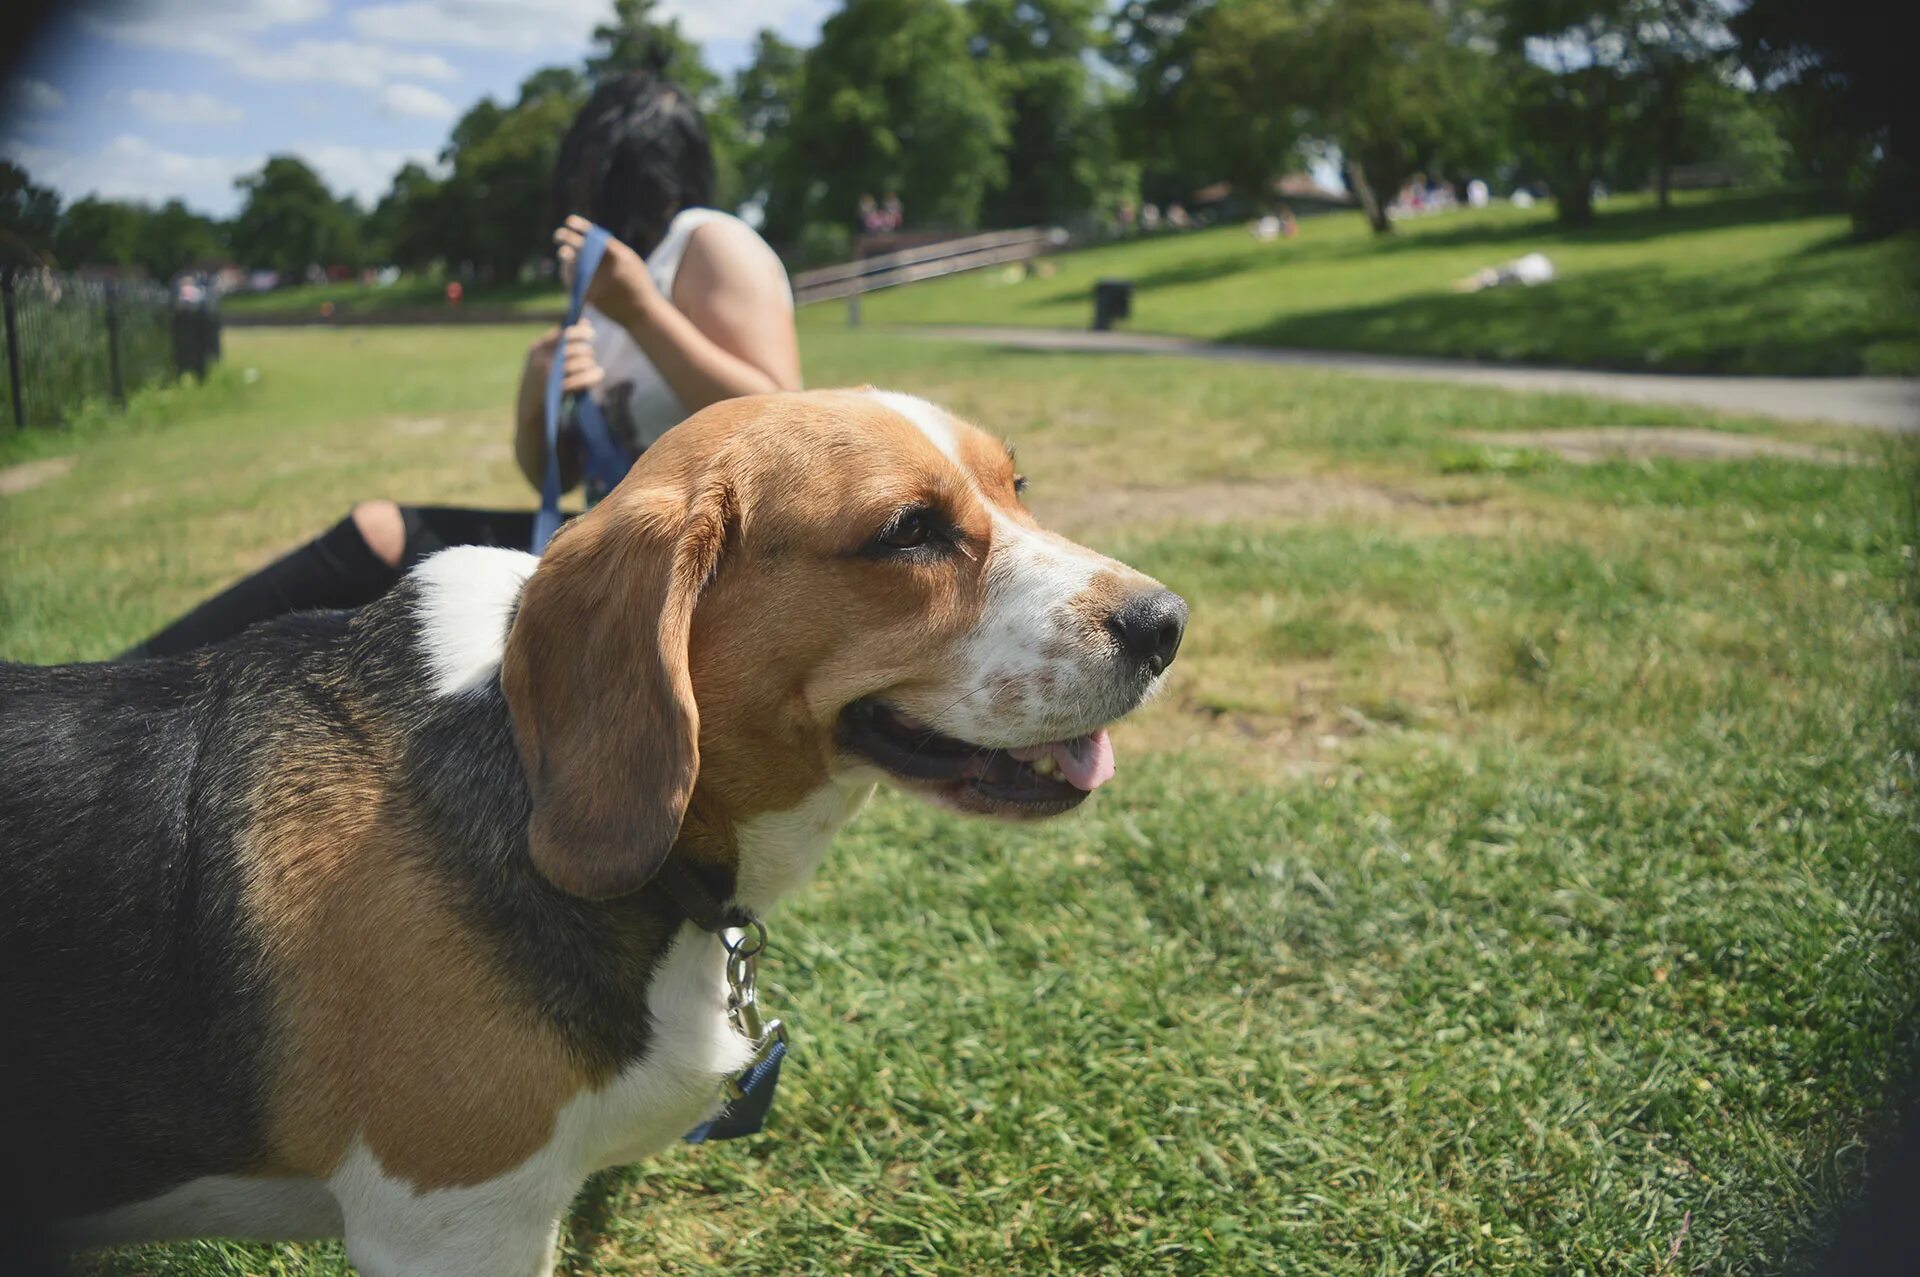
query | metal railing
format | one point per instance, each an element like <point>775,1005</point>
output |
<point>888,270</point>
<point>71,340</point>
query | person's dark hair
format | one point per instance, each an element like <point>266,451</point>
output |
<point>636,155</point>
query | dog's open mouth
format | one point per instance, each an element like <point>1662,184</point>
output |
<point>1042,779</point>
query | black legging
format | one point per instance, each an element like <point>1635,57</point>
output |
<point>335,569</point>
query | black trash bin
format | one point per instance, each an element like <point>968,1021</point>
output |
<point>1112,299</point>
<point>196,337</point>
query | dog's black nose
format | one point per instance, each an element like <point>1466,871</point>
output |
<point>1149,627</point>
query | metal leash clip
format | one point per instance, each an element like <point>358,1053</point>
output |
<point>744,947</point>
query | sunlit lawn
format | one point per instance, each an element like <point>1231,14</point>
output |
<point>1752,283</point>
<point>1517,878</point>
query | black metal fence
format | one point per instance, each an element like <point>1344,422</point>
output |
<point>72,340</point>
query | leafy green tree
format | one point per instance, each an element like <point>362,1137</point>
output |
<point>174,238</point>
<point>29,216</point>
<point>493,212</point>
<point>764,92</point>
<point>891,100</point>
<point>97,232</point>
<point>1396,85</point>
<point>638,39</point>
<point>1170,123</point>
<point>1847,80</point>
<point>407,227</point>
<point>289,220</point>
<point>1061,160</point>
<point>1600,73</point>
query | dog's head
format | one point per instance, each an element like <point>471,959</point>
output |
<point>796,589</point>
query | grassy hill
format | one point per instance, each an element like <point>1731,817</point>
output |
<point>1516,878</point>
<point>407,293</point>
<point>1736,283</point>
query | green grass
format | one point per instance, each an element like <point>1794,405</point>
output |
<point>1741,283</point>
<point>1517,878</point>
<point>409,292</point>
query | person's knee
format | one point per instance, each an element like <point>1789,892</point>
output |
<point>382,528</point>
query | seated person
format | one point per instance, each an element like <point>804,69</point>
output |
<point>689,307</point>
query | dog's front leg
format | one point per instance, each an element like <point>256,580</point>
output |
<point>504,1227</point>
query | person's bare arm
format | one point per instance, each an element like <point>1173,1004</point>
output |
<point>530,406</point>
<point>727,330</point>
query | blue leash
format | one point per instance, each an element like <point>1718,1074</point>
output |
<point>606,462</point>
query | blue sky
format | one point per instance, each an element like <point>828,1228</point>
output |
<point>151,99</point>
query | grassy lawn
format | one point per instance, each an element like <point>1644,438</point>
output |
<point>1726,283</point>
<point>406,293</point>
<point>1518,877</point>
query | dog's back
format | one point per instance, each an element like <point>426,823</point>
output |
<point>132,1016</point>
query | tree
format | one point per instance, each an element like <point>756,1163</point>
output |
<point>1847,78</point>
<point>1169,124</point>
<point>1062,159</point>
<point>29,216</point>
<point>174,238</point>
<point>494,210</point>
<point>1396,85</point>
<point>1600,72</point>
<point>97,232</point>
<point>891,101</point>
<point>763,96</point>
<point>407,227</point>
<point>637,40</point>
<point>289,220</point>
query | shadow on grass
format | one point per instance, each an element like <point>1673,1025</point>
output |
<point>1789,320</point>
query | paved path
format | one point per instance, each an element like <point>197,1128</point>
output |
<point>1880,403</point>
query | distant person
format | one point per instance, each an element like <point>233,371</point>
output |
<point>892,212</point>
<point>868,219</point>
<point>705,313</point>
<point>1150,217</point>
<point>1527,271</point>
<point>1266,230</point>
<point>1289,224</point>
<point>1177,216</point>
<point>1477,194</point>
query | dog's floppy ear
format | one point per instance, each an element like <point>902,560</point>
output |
<point>596,677</point>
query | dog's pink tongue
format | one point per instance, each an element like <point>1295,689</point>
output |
<point>1086,761</point>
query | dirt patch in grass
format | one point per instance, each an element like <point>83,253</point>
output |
<point>417,427</point>
<point>31,474</point>
<point>1587,445</point>
<point>1216,502</point>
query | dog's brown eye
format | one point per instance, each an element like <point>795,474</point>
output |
<point>908,531</point>
<point>1019,485</point>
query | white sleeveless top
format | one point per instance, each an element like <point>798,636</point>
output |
<point>639,404</point>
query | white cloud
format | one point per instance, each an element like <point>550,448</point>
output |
<point>228,30</point>
<point>187,24</point>
<point>183,108</point>
<point>703,21</point>
<point>413,100</point>
<point>360,66</point>
<point>364,172</point>
<point>547,24</point>
<point>132,168</point>
<point>30,95</point>
<point>482,24</point>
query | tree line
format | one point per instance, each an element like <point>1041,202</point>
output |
<point>1015,112</point>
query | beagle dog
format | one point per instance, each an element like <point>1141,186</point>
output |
<point>354,925</point>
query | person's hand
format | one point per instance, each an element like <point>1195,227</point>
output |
<point>621,289</point>
<point>583,371</point>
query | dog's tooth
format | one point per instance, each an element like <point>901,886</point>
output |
<point>1045,765</point>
